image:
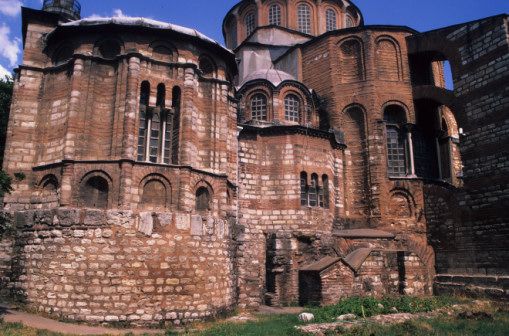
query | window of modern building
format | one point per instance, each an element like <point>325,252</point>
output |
<point>292,108</point>
<point>250,22</point>
<point>259,107</point>
<point>304,18</point>
<point>275,15</point>
<point>330,20</point>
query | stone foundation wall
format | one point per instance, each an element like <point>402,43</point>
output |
<point>107,266</point>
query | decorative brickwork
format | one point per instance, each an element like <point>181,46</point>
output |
<point>167,182</point>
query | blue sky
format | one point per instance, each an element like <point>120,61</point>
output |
<point>207,15</point>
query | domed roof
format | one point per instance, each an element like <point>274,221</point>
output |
<point>274,76</point>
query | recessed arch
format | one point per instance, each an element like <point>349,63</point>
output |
<point>351,60</point>
<point>108,48</point>
<point>155,192</point>
<point>207,66</point>
<point>163,51</point>
<point>62,54</point>
<point>95,189</point>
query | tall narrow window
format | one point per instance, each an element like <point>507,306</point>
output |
<point>275,15</point>
<point>304,189</point>
<point>176,102</point>
<point>326,192</point>
<point>259,107</point>
<point>331,20</point>
<point>394,117</point>
<point>313,191</point>
<point>250,22</point>
<point>292,108</point>
<point>304,18</point>
<point>142,130</point>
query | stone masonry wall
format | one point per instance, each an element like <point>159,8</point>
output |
<point>474,235</point>
<point>106,266</point>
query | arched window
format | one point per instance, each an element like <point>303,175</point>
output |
<point>349,22</point>
<point>259,107</point>
<point>142,130</point>
<point>275,15</point>
<point>304,18</point>
<point>394,117</point>
<point>202,199</point>
<point>175,136</point>
<point>304,201</point>
<point>330,20</point>
<point>94,193</point>
<point>313,191</point>
<point>292,108</point>
<point>161,95</point>
<point>154,195</point>
<point>250,22</point>
<point>207,66</point>
<point>158,133</point>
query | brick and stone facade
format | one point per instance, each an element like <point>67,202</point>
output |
<point>167,182</point>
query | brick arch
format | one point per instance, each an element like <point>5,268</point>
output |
<point>351,53</point>
<point>207,65</point>
<point>244,11</point>
<point>203,185</point>
<point>265,11</point>
<point>354,126</point>
<point>108,42</point>
<point>63,53</point>
<point>409,117</point>
<point>49,180</point>
<point>162,202</point>
<point>388,59</point>
<point>159,44</point>
<point>250,93</point>
<point>401,204</point>
<point>289,89</point>
<point>97,194</point>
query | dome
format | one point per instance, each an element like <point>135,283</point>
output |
<point>274,76</point>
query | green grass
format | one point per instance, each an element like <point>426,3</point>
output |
<point>274,325</point>
<point>369,306</point>
<point>440,326</point>
<point>18,329</point>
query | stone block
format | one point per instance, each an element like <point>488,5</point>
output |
<point>24,218</point>
<point>95,217</point>
<point>165,218</point>
<point>123,218</point>
<point>196,225</point>
<point>183,221</point>
<point>68,217</point>
<point>146,223</point>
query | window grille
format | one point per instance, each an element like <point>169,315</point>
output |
<point>259,107</point>
<point>142,130</point>
<point>313,191</point>
<point>330,20</point>
<point>275,15</point>
<point>304,18</point>
<point>396,154</point>
<point>250,22</point>
<point>292,108</point>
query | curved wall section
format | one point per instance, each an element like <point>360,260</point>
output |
<point>114,266</point>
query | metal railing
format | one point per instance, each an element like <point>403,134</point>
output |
<point>68,8</point>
